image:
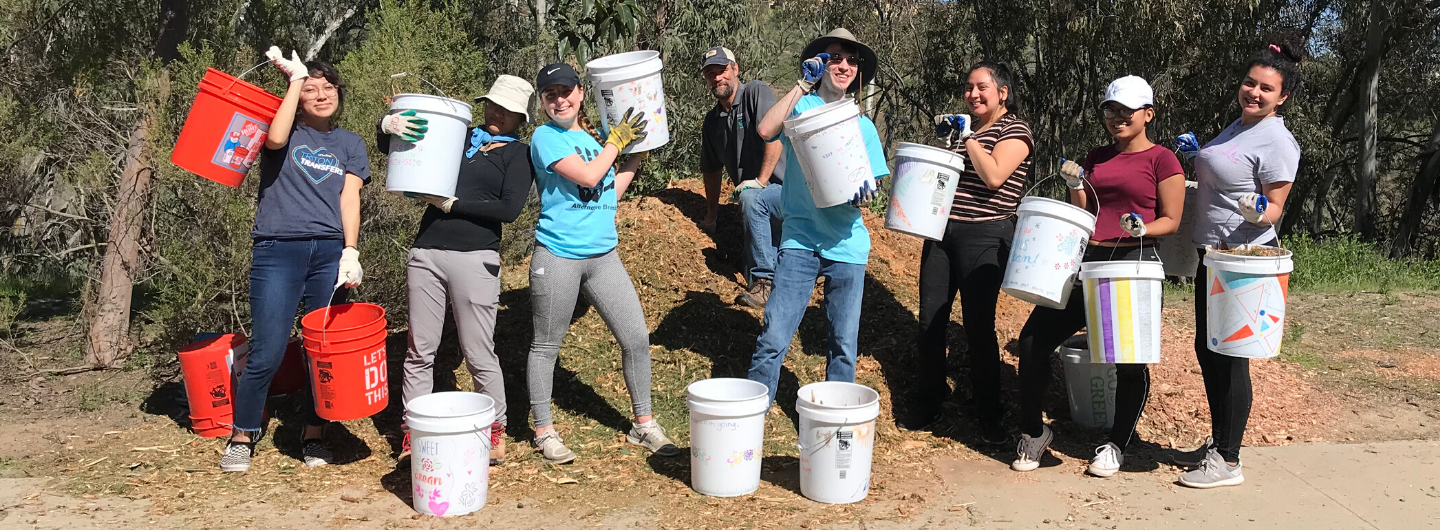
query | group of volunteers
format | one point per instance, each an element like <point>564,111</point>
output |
<point>308,219</point>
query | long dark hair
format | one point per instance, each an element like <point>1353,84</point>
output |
<point>326,70</point>
<point>1284,59</point>
<point>1003,79</point>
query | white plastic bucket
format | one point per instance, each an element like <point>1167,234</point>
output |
<point>1177,250</point>
<point>1050,239</point>
<point>632,80</point>
<point>431,165</point>
<point>831,151</point>
<point>1122,309</point>
<point>449,451</point>
<point>1091,386</point>
<point>1245,303</point>
<point>836,440</point>
<point>727,435</point>
<point>923,190</point>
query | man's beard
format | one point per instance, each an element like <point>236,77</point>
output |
<point>722,91</point>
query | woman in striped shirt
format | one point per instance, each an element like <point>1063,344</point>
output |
<point>971,257</point>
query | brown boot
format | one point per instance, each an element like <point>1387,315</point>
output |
<point>757,295</point>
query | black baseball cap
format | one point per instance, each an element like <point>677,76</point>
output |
<point>718,55</point>
<point>556,74</point>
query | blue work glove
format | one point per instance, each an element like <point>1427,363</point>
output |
<point>864,195</point>
<point>952,128</point>
<point>811,71</point>
<point>1133,224</point>
<point>1187,145</point>
<point>1252,207</point>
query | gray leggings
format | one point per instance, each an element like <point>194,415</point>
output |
<point>554,284</point>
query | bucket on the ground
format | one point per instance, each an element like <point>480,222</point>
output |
<point>831,151</point>
<point>727,435</point>
<point>1090,385</point>
<point>837,440</point>
<point>431,165</point>
<point>348,377</point>
<point>1245,302</point>
<point>1177,250</point>
<point>226,128</point>
<point>206,366</point>
<point>923,190</point>
<point>449,451</point>
<point>291,376</point>
<point>631,80</point>
<point>1122,309</point>
<point>1049,243</point>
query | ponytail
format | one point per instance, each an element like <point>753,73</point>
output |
<point>584,120</point>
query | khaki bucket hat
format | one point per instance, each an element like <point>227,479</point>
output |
<point>512,93</point>
<point>868,60</point>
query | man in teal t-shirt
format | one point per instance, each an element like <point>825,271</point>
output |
<point>830,242</point>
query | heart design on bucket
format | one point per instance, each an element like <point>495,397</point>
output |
<point>318,164</point>
<point>439,508</point>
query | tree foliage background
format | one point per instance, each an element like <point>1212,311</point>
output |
<point>79,78</point>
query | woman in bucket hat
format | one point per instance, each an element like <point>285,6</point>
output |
<point>455,256</point>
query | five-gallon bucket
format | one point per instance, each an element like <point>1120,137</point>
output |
<point>837,440</point>
<point>923,190</point>
<point>1091,385</point>
<point>206,366</point>
<point>291,376</point>
<point>727,435</point>
<point>431,165</point>
<point>831,151</point>
<point>348,376</point>
<point>449,451</point>
<point>226,128</point>
<point>627,81</point>
<point>1122,309</point>
<point>1245,300</point>
<point>1050,239</point>
<point>1177,250</point>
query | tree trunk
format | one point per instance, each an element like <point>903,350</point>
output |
<point>1421,189</point>
<point>1367,166</point>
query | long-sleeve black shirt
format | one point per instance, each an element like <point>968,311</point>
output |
<point>490,191</point>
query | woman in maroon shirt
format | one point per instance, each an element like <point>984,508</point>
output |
<point>1137,191</point>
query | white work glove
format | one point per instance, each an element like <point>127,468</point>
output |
<point>1073,173</point>
<point>751,184</point>
<point>407,125</point>
<point>1252,207</point>
<point>443,203</point>
<point>1133,224</point>
<point>953,129</point>
<point>350,272</point>
<point>293,67</point>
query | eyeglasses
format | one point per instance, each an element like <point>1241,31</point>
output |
<point>1112,112</point>
<point>311,92</point>
<point>854,60</point>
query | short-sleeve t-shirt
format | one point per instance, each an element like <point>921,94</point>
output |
<point>575,222</point>
<point>1242,159</point>
<point>837,233</point>
<point>300,184</point>
<point>974,201</point>
<point>1126,183</point>
<point>731,139</point>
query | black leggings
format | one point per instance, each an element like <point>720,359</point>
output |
<point>1047,329</point>
<point>969,260</point>
<point>1227,380</point>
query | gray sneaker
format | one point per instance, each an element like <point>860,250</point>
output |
<point>1213,473</point>
<point>316,454</point>
<point>237,457</point>
<point>1029,450</point>
<point>1193,458</point>
<point>652,437</point>
<point>553,448</point>
<point>758,294</point>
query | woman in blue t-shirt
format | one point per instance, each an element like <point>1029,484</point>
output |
<point>575,251</point>
<point>307,224</point>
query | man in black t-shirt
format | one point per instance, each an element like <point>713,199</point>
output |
<point>729,142</point>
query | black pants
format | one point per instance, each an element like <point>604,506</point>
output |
<point>969,260</point>
<point>1047,329</point>
<point>1227,380</point>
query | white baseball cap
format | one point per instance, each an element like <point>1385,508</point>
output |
<point>1131,91</point>
<point>512,93</point>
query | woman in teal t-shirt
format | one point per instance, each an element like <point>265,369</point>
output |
<point>575,251</point>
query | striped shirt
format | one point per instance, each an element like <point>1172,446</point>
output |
<point>974,201</point>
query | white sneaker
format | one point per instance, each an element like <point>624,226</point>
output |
<point>1029,451</point>
<point>1107,461</point>
<point>553,448</point>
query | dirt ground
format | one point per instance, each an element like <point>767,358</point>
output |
<point>111,448</point>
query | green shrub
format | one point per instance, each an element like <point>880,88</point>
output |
<point>1345,263</point>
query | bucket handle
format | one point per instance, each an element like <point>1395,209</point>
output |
<point>1275,225</point>
<point>242,76</point>
<point>843,423</point>
<point>448,100</point>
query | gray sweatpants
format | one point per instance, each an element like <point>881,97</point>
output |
<point>554,284</point>
<point>471,282</point>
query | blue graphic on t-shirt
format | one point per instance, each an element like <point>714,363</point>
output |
<point>318,164</point>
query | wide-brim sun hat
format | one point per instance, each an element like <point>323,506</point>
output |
<point>868,61</point>
<point>512,94</point>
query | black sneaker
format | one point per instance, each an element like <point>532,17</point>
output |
<point>316,454</point>
<point>993,433</point>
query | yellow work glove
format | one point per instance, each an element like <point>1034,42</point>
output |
<point>628,131</point>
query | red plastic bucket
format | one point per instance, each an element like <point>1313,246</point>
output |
<point>205,367</point>
<point>349,377</point>
<point>291,377</point>
<point>226,128</point>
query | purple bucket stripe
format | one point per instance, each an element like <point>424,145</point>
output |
<point>1107,318</point>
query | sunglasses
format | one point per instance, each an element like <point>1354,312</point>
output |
<point>1111,113</point>
<point>852,59</point>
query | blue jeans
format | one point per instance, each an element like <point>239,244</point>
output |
<point>795,274</point>
<point>282,273</point>
<point>761,209</point>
